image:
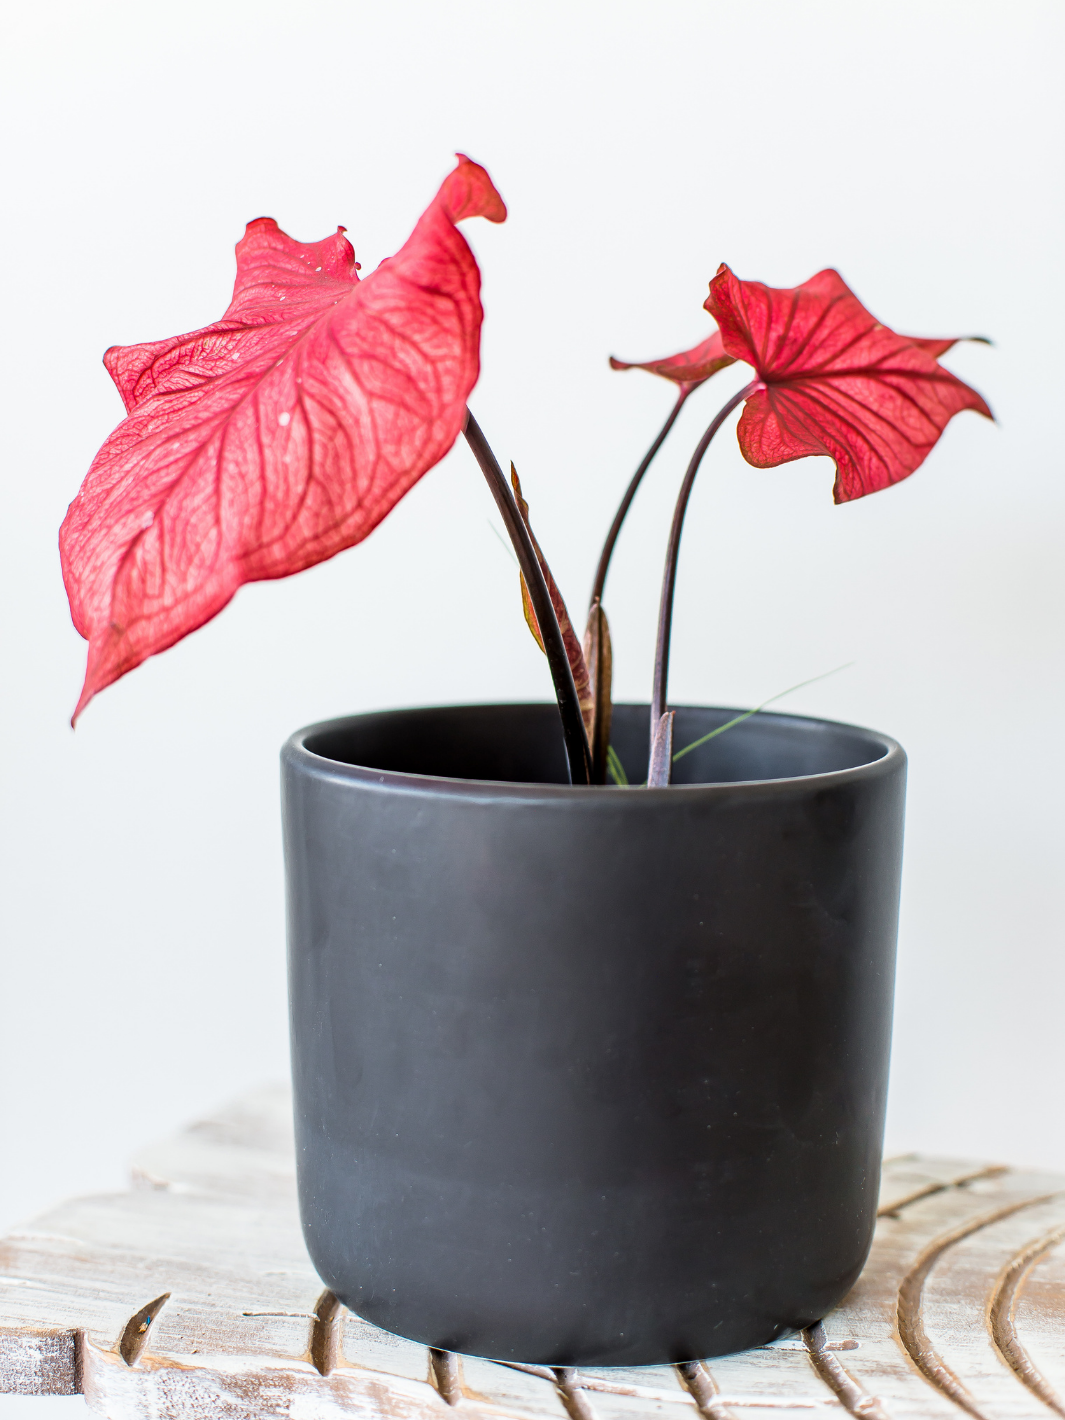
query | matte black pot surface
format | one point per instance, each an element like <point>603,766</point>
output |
<point>589,1076</point>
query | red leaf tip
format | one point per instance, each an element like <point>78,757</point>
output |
<point>688,369</point>
<point>468,191</point>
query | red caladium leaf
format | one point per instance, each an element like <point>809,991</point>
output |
<point>834,381</point>
<point>574,653</point>
<point>691,367</point>
<point>688,369</point>
<point>280,434</point>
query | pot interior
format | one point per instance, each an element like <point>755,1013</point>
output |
<point>523,744</point>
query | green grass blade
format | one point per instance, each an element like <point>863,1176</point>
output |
<point>502,541</point>
<point>615,768</point>
<point>739,719</point>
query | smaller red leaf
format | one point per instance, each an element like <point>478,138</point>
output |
<point>688,369</point>
<point>575,655</point>
<point>835,381</point>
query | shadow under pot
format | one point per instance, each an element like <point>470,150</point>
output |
<point>589,1076</point>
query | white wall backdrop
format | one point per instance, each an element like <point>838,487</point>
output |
<point>914,146</point>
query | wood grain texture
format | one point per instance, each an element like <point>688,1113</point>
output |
<point>192,1296</point>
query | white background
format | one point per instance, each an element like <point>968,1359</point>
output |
<point>915,146</point>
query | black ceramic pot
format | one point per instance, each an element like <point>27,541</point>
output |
<point>589,1076</point>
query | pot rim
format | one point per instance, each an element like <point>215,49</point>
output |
<point>294,752</point>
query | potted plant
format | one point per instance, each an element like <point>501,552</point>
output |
<point>590,1003</point>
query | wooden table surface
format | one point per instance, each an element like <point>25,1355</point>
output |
<point>191,1295</point>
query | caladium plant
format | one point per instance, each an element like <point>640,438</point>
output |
<point>284,432</point>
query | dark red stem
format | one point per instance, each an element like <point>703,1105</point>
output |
<point>669,576</point>
<point>630,494</point>
<point>578,756</point>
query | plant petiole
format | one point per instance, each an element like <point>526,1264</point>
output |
<point>669,575</point>
<point>630,494</point>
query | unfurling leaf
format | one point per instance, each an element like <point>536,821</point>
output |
<point>688,369</point>
<point>834,381</point>
<point>598,657</point>
<point>660,767</point>
<point>530,615</point>
<point>277,436</point>
<point>573,647</point>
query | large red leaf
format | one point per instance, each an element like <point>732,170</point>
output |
<point>834,381</point>
<point>280,434</point>
<point>688,369</point>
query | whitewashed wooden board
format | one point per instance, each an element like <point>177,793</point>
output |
<point>192,1296</point>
